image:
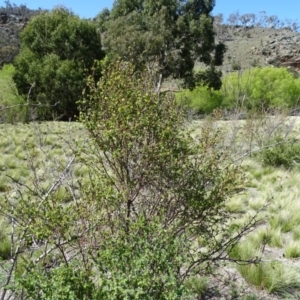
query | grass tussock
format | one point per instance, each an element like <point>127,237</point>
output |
<point>272,276</point>
<point>292,250</point>
<point>197,285</point>
<point>5,243</point>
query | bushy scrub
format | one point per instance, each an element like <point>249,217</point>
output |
<point>283,153</point>
<point>260,88</point>
<point>141,265</point>
<point>12,107</point>
<point>151,211</point>
<point>64,282</point>
<point>58,50</point>
<point>201,99</point>
<point>256,89</point>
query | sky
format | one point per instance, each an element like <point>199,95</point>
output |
<point>288,9</point>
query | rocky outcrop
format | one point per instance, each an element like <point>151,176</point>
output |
<point>283,51</point>
<point>3,18</point>
<point>12,20</point>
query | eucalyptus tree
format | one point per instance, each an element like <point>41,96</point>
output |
<point>166,35</point>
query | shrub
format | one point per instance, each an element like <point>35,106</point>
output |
<point>64,282</point>
<point>201,99</point>
<point>57,51</point>
<point>151,210</point>
<point>283,153</point>
<point>12,106</point>
<point>261,88</point>
<point>144,264</point>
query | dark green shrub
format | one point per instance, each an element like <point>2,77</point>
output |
<point>58,50</point>
<point>284,153</point>
<point>170,35</point>
<point>5,244</point>
<point>211,78</point>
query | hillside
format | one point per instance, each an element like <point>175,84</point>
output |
<point>13,19</point>
<point>259,46</point>
<point>247,46</point>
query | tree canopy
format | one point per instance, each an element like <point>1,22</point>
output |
<point>167,34</point>
<point>58,49</point>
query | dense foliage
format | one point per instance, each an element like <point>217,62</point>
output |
<point>169,35</point>
<point>255,89</point>
<point>283,153</point>
<point>201,99</point>
<point>58,50</point>
<point>12,106</point>
<point>150,210</point>
<point>261,88</point>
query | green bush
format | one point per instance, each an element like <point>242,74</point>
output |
<point>12,106</point>
<point>64,282</point>
<point>283,153</point>
<point>261,88</point>
<point>151,210</point>
<point>142,265</point>
<point>256,89</point>
<point>58,50</point>
<point>201,99</point>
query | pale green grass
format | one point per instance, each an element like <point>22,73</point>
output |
<point>272,276</point>
<point>237,204</point>
<point>273,193</point>
<point>45,147</point>
<point>197,285</point>
<point>292,250</point>
<point>275,237</point>
<point>296,233</point>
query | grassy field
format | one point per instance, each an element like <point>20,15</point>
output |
<point>46,145</point>
<point>272,191</point>
<point>35,154</point>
